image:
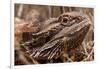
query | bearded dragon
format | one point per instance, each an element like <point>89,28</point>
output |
<point>66,31</point>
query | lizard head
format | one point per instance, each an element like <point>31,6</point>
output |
<point>77,30</point>
<point>76,27</point>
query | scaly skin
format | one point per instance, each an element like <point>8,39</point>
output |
<point>68,32</point>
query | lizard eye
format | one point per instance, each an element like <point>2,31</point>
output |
<point>64,20</point>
